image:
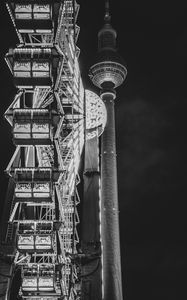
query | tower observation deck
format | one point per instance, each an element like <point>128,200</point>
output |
<point>56,125</point>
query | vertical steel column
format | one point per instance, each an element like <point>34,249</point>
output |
<point>91,270</point>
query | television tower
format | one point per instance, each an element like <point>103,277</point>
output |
<point>108,73</point>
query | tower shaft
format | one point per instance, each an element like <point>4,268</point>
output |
<point>109,207</point>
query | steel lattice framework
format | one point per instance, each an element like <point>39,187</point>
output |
<point>47,119</point>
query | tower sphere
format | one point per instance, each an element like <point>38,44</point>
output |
<point>108,71</point>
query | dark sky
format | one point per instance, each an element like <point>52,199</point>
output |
<point>151,137</point>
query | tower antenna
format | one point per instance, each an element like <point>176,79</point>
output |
<point>107,17</point>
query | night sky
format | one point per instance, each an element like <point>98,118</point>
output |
<point>151,137</point>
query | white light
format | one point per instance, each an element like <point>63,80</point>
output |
<point>96,115</point>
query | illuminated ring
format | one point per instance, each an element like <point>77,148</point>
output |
<point>96,115</point>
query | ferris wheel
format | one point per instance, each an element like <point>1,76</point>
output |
<point>52,118</point>
<point>56,125</point>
